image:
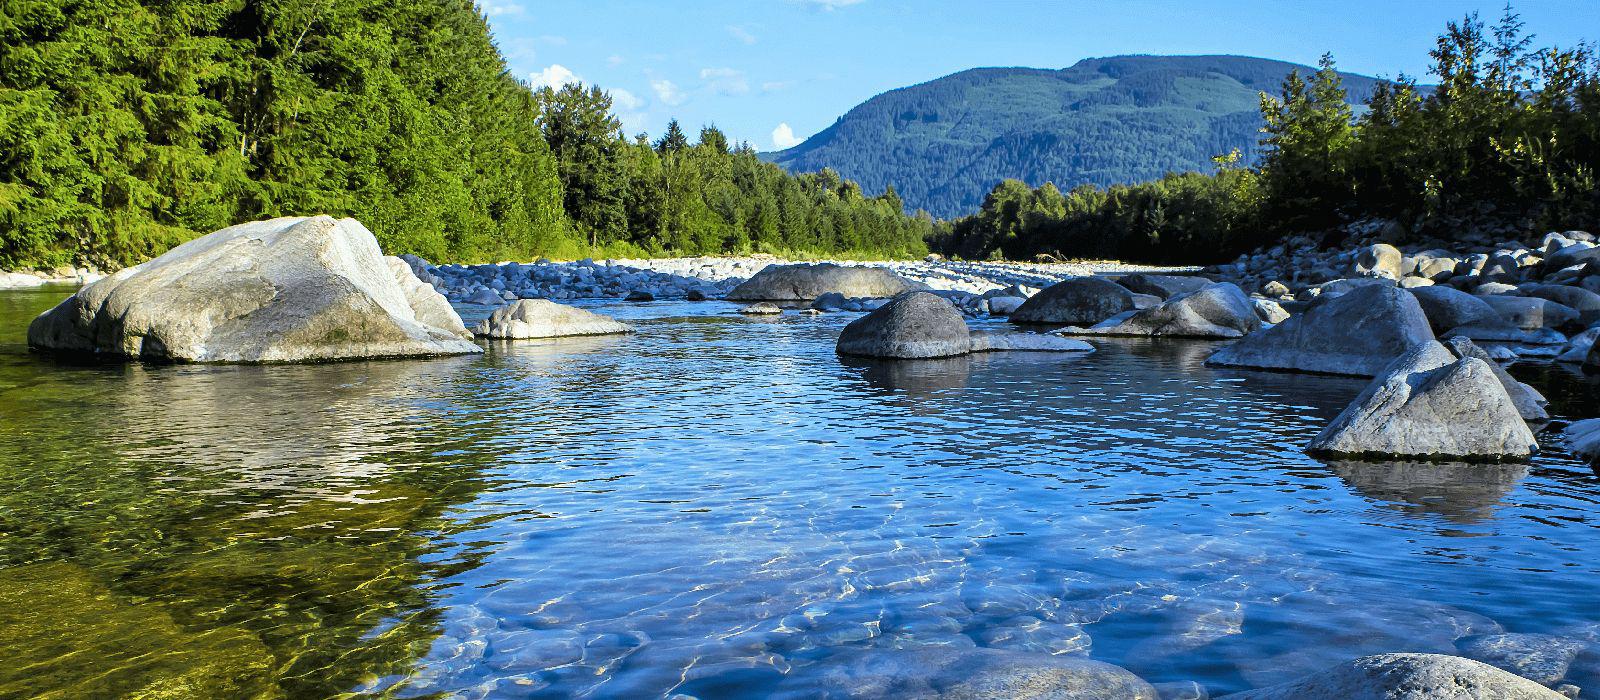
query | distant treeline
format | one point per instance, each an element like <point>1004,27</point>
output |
<point>1509,136</point>
<point>127,127</point>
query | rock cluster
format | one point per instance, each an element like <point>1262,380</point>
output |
<point>920,325</point>
<point>541,318</point>
<point>1218,310</point>
<point>1357,333</point>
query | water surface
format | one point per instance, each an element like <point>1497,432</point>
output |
<point>719,506</point>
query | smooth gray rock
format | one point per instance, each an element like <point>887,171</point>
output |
<point>1531,313</point>
<point>1585,302</point>
<point>943,673</point>
<point>1163,286</point>
<point>912,325</point>
<point>807,282</point>
<point>1077,301</point>
<point>1498,331</point>
<point>761,308</point>
<point>1529,403</point>
<point>1345,286</point>
<point>541,318</point>
<point>640,295</point>
<point>832,301</point>
<point>1406,677</point>
<point>983,341</point>
<point>292,289</point>
<point>1269,311</point>
<point>1577,349</point>
<point>1005,306</point>
<point>1448,308</point>
<point>1218,311</point>
<point>1583,439</point>
<point>1544,658</point>
<point>1356,334</point>
<point>1429,404</point>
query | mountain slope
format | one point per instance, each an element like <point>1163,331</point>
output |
<point>944,144</point>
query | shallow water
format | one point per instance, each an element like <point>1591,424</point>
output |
<point>720,507</point>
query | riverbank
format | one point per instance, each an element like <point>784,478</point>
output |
<point>25,280</point>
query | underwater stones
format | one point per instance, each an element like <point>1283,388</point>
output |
<point>963,674</point>
<point>1357,333</point>
<point>540,318</point>
<point>1406,677</point>
<point>1077,301</point>
<point>912,325</point>
<point>1429,404</point>
<point>1537,657</point>
<point>807,282</point>
<point>292,289</point>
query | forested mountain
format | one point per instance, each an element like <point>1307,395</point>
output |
<point>944,143</point>
<point>128,126</point>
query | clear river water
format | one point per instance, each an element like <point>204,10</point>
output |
<point>718,506</point>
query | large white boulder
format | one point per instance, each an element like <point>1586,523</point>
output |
<point>807,282</point>
<point>286,290</point>
<point>1216,311</point>
<point>541,318</point>
<point>1357,333</point>
<point>1430,404</point>
<point>1406,677</point>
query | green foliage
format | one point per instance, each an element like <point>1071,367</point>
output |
<point>128,126</point>
<point>1509,136</point>
<point>945,143</point>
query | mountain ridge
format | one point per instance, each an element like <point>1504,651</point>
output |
<point>944,143</point>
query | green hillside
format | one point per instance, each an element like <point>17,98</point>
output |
<point>945,143</point>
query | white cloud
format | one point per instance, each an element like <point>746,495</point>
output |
<point>668,93</point>
<point>776,85</point>
<point>725,80</point>
<point>553,77</point>
<point>499,8</point>
<point>783,136</point>
<point>827,5</point>
<point>742,34</point>
<point>625,101</point>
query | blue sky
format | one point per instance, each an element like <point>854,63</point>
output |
<point>773,72</point>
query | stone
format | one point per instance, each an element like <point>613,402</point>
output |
<point>1531,313</point>
<point>1583,439</point>
<point>292,289</point>
<point>1345,286</point>
<point>1163,286</point>
<point>1448,308</point>
<point>1585,302</point>
<point>1415,282</point>
<point>1544,658</point>
<point>912,325</point>
<point>640,295</point>
<point>1436,269</point>
<point>1275,289</point>
<point>486,297</point>
<point>1378,260</point>
<point>694,295</point>
<point>832,301</point>
<point>807,282</point>
<point>1429,404</point>
<point>541,318</point>
<point>761,309</point>
<point>1219,310</point>
<point>1355,334</point>
<point>1269,311</point>
<point>1575,254</point>
<point>1529,403</point>
<point>944,673</point>
<point>1501,332</point>
<point>1077,301</point>
<point>984,341</point>
<point>1406,677</point>
<point>1577,349</point>
<point>1005,306</point>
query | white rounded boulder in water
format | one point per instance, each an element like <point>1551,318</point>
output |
<point>293,289</point>
<point>541,318</point>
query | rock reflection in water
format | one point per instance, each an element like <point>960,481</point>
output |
<point>914,377</point>
<point>1462,493</point>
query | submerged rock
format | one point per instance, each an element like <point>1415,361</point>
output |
<point>912,325</point>
<point>761,309</point>
<point>1357,333</point>
<point>1583,439</point>
<point>983,341</point>
<point>540,318</point>
<point>1537,657</point>
<point>943,673</point>
<point>286,290</point>
<point>1429,404</point>
<point>1406,677</point>
<point>1077,301</point>
<point>1217,311</point>
<point>807,282</point>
